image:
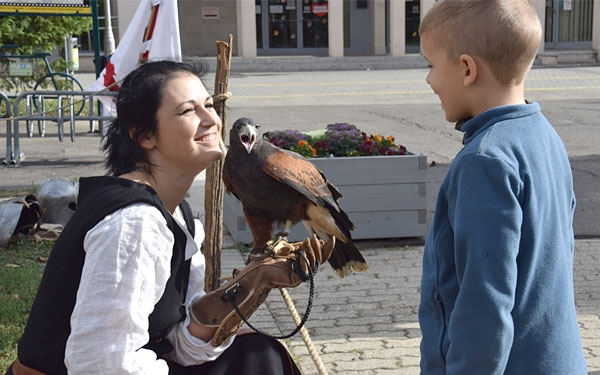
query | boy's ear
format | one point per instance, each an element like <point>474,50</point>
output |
<point>469,69</point>
<point>146,142</point>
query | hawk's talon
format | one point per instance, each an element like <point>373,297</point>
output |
<point>271,245</point>
<point>283,235</point>
<point>256,252</point>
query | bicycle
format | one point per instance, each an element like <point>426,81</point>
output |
<point>51,81</point>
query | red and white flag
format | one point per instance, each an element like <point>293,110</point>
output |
<point>152,34</point>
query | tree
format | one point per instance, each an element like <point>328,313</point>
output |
<point>36,34</point>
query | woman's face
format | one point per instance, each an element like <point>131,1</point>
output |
<point>188,127</point>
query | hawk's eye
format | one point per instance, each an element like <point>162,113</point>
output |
<point>257,127</point>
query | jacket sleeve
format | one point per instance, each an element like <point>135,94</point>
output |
<point>486,218</point>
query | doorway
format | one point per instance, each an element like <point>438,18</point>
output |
<point>412,20</point>
<point>292,27</point>
<point>357,27</point>
<point>568,24</point>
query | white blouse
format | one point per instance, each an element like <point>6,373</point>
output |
<point>127,264</point>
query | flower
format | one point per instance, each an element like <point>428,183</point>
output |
<point>285,138</point>
<point>304,149</point>
<point>339,139</point>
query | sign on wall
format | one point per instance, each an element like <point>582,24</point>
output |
<point>567,5</point>
<point>210,13</point>
<point>48,6</point>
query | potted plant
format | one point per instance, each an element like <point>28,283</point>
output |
<point>383,184</point>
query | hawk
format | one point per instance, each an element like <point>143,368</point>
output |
<point>280,186</point>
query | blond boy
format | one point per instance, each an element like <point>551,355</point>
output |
<point>497,286</point>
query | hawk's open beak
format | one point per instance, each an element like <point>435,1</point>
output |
<point>248,139</point>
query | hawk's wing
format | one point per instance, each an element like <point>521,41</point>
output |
<point>229,187</point>
<point>301,175</point>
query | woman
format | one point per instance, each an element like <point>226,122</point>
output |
<point>122,279</point>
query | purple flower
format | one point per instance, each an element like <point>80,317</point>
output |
<point>285,138</point>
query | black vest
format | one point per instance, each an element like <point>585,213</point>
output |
<point>43,343</point>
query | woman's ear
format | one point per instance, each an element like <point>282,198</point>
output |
<point>146,142</point>
<point>469,69</point>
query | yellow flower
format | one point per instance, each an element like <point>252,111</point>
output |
<point>378,138</point>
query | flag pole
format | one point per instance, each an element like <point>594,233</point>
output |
<point>213,193</point>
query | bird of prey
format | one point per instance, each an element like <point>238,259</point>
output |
<point>279,186</point>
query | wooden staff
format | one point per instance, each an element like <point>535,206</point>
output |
<point>213,193</point>
<point>213,201</point>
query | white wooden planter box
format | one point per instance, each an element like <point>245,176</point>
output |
<point>384,196</point>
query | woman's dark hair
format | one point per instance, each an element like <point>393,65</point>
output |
<point>138,100</point>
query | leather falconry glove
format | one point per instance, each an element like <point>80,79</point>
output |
<point>283,265</point>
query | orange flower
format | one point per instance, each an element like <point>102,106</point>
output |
<point>302,143</point>
<point>390,139</point>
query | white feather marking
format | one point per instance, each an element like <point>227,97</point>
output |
<point>322,223</point>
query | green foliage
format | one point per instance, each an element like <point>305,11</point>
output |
<point>36,34</point>
<point>305,149</point>
<point>242,248</point>
<point>22,264</point>
<point>9,193</point>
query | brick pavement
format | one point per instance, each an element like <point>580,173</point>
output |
<point>367,323</point>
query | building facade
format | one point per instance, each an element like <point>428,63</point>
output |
<point>345,27</point>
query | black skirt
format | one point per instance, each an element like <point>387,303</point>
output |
<point>250,354</point>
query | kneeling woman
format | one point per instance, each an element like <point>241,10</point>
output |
<point>122,292</point>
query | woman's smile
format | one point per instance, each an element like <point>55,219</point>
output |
<point>210,137</point>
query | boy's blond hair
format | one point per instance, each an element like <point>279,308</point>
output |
<point>505,34</point>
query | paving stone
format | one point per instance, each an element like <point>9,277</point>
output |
<point>368,323</point>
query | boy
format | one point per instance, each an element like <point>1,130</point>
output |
<point>497,287</point>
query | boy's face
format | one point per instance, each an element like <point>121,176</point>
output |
<point>446,79</point>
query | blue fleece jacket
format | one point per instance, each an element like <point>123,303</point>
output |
<point>497,287</point>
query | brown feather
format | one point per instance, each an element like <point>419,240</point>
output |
<point>295,172</point>
<point>260,227</point>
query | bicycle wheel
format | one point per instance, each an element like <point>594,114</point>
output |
<point>59,81</point>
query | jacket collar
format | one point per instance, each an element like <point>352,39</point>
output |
<point>474,125</point>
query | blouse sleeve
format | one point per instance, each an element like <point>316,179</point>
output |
<point>126,267</point>
<point>190,350</point>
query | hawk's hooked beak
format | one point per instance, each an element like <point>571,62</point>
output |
<point>249,139</point>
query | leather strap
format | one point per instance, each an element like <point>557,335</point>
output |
<point>20,369</point>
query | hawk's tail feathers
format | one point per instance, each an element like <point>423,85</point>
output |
<point>346,258</point>
<point>325,221</point>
